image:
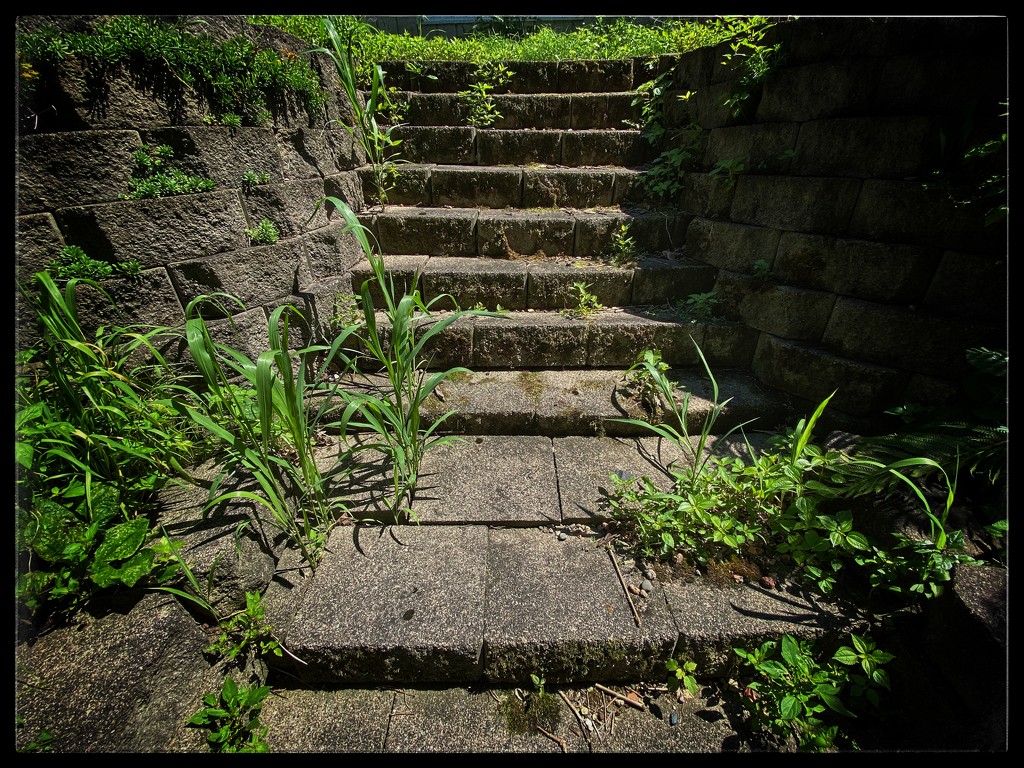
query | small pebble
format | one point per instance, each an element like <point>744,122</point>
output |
<point>562,536</point>
<point>673,719</point>
<point>646,585</point>
<point>650,574</point>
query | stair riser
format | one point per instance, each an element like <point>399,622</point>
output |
<point>573,112</point>
<point>480,187</point>
<point>533,77</point>
<point>507,234</point>
<point>519,285</point>
<point>453,145</point>
<point>607,340</point>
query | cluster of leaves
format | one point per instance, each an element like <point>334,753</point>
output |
<point>789,693</point>
<point>74,262</point>
<point>972,172</point>
<point>234,75</point>
<point>650,99</point>
<point>252,179</point>
<point>264,233</point>
<point>624,250</point>
<point>96,436</point>
<point>697,307</point>
<point>246,631</point>
<point>793,502</point>
<point>232,717</point>
<point>477,99</point>
<point>755,60</point>
<point>617,38</point>
<point>153,177</point>
<point>587,303</point>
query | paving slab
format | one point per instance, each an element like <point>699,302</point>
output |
<point>316,720</point>
<point>394,603</point>
<point>586,463</point>
<point>469,720</point>
<point>491,480</point>
<point>556,607</point>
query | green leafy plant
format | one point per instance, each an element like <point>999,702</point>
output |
<point>41,743</point>
<point>663,181</point>
<point>154,178</point>
<point>623,248</point>
<point>232,717</point>
<point>680,673</point>
<point>264,233</point>
<point>698,307</point>
<point>73,262</point>
<point>346,311</point>
<point>233,76</point>
<point>755,61</point>
<point>252,179</point>
<point>245,631</point>
<point>649,97</point>
<point>477,99</point>
<point>972,172</point>
<point>587,303</point>
<point>790,502</point>
<point>790,692</point>
<point>762,269</point>
<point>730,168</point>
<point>96,436</point>
<point>419,72</point>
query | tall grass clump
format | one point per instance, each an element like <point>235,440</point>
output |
<point>396,344</point>
<point>374,133</point>
<point>96,436</point>
<point>258,413</point>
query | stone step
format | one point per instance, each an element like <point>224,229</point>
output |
<point>466,145</point>
<point>607,338</point>
<point>523,186</point>
<point>565,111</point>
<point>507,573</point>
<point>510,233</point>
<point>589,402</point>
<point>545,284</point>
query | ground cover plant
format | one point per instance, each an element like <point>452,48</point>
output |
<point>96,437</point>
<point>398,344</point>
<point>791,506</point>
<point>234,77</point>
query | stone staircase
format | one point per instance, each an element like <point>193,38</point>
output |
<point>522,218</point>
<point>508,573</point>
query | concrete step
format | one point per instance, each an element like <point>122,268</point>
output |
<point>466,145</point>
<point>565,111</point>
<point>588,402</point>
<point>608,338</point>
<point>507,573</point>
<point>522,186</point>
<point>471,231</point>
<point>545,284</point>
